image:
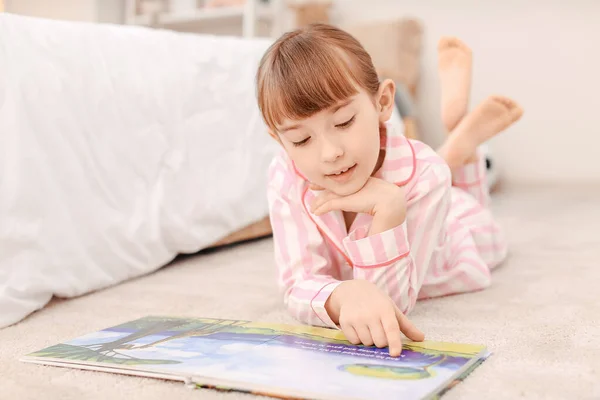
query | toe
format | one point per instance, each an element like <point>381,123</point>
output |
<point>504,101</point>
<point>517,112</point>
<point>451,42</point>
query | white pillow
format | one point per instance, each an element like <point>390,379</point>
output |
<point>120,147</point>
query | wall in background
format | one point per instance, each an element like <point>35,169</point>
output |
<point>543,53</point>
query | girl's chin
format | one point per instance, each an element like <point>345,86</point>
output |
<point>348,188</point>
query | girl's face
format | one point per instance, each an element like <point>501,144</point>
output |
<point>338,148</point>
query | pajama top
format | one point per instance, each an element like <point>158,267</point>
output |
<point>447,244</point>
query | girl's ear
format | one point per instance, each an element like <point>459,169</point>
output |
<point>385,100</point>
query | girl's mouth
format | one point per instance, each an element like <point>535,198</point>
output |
<point>343,175</point>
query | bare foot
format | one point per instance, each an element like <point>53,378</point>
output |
<point>454,68</point>
<point>490,117</point>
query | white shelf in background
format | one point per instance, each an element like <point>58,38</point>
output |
<point>245,16</point>
<point>208,14</point>
<point>143,20</point>
<point>202,14</point>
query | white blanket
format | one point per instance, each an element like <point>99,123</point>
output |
<point>120,147</point>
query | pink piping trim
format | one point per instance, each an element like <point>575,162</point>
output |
<point>322,232</point>
<point>298,172</point>
<point>313,299</point>
<point>414,161</point>
<point>383,264</point>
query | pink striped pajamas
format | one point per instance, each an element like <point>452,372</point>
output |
<point>447,244</point>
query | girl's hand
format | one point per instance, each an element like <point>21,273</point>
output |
<point>367,315</point>
<point>375,195</point>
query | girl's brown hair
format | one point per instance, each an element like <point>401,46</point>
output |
<point>311,69</point>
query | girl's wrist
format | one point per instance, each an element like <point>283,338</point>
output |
<point>333,305</point>
<point>386,220</point>
<point>389,213</point>
<point>395,199</point>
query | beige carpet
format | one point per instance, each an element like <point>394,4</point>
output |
<point>541,318</point>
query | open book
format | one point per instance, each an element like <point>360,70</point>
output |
<point>275,360</point>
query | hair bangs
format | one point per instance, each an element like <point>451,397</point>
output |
<point>320,78</point>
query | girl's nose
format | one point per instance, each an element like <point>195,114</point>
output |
<point>330,151</point>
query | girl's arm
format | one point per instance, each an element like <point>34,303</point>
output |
<point>407,233</point>
<point>303,266</point>
<point>397,259</point>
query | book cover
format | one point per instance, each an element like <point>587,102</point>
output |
<point>276,360</point>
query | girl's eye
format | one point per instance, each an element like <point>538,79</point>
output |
<point>347,123</point>
<point>300,143</point>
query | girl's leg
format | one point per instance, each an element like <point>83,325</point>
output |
<point>454,70</point>
<point>460,150</point>
<point>472,178</point>
<point>467,212</point>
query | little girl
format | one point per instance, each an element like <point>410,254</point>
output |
<point>365,221</point>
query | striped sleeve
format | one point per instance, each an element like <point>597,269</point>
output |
<point>303,266</point>
<point>397,260</point>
